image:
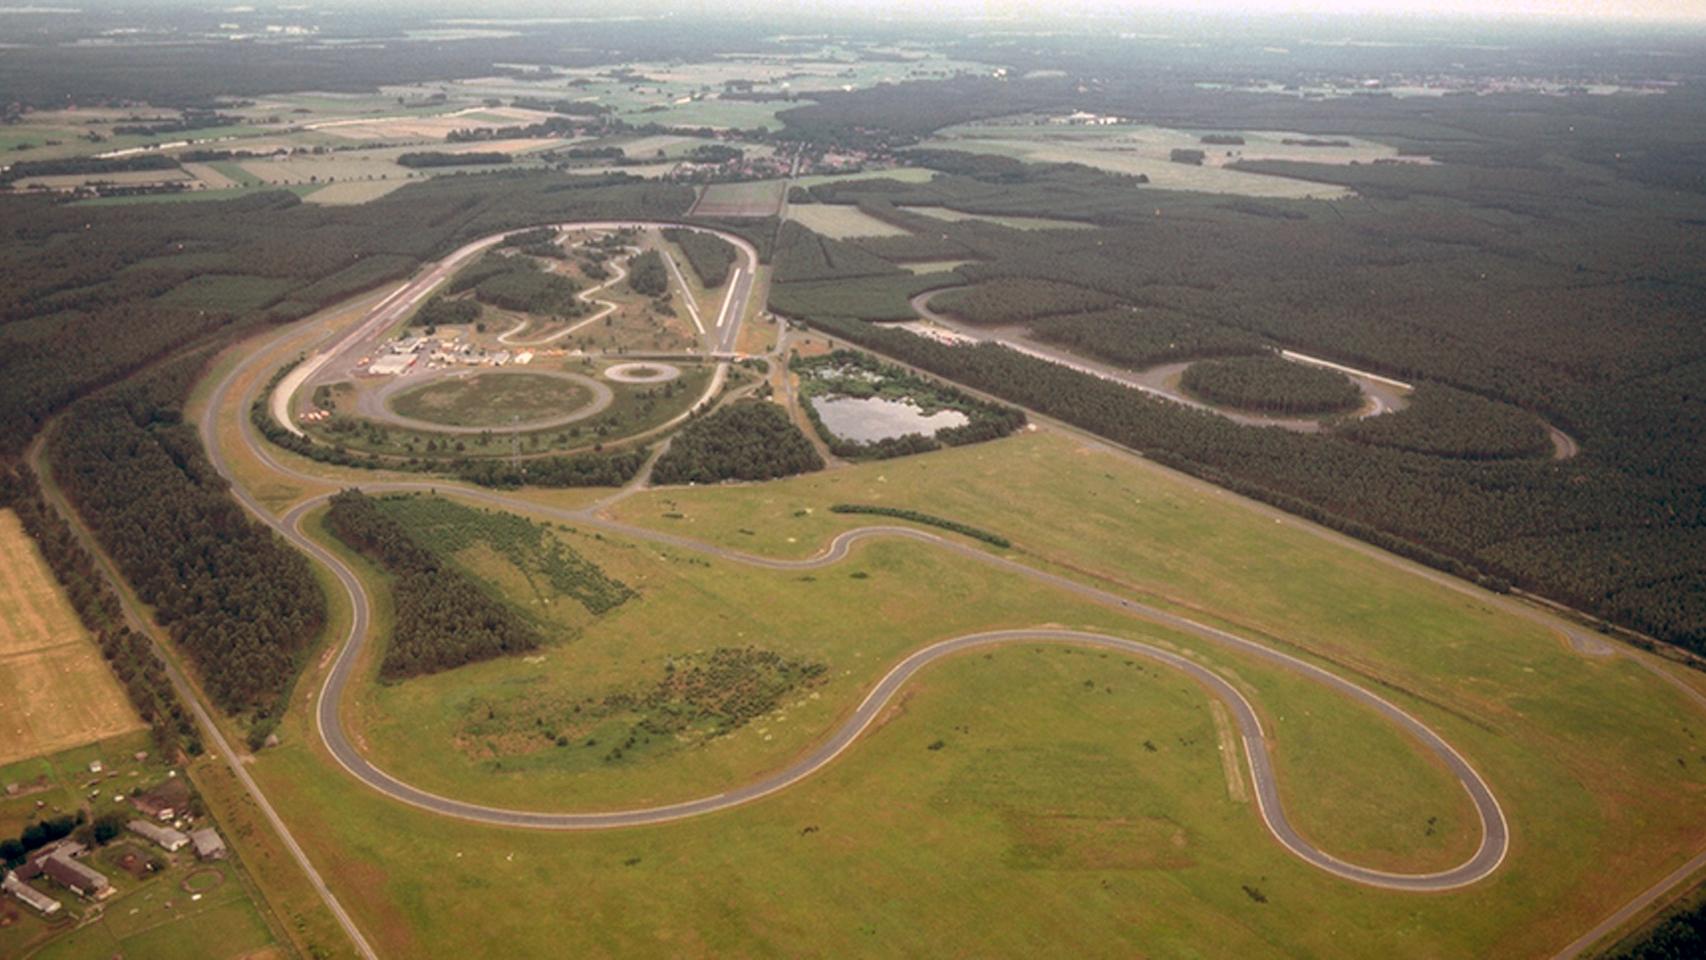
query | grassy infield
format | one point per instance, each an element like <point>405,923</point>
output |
<point>1045,822</point>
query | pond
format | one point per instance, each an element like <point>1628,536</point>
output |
<point>869,419</point>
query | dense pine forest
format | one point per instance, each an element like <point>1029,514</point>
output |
<point>444,619</point>
<point>749,440</point>
<point>242,605</point>
<point>710,255</point>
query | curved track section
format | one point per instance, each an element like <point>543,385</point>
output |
<point>1495,833</point>
<point>376,406</point>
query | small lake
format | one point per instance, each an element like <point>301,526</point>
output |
<point>868,419</point>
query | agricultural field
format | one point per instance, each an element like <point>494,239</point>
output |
<point>902,174</point>
<point>1147,150</point>
<point>1017,223</point>
<point>841,221</point>
<point>758,198</point>
<point>56,691</point>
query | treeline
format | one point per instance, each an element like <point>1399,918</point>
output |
<point>710,255</point>
<point>1448,422</point>
<point>647,275</point>
<point>1018,301</point>
<point>1139,337</point>
<point>542,242</point>
<point>240,604</point>
<point>584,470</point>
<point>802,255</point>
<point>427,159</point>
<point>516,282</point>
<point>748,440</point>
<point>130,654</point>
<point>443,618</point>
<point>1680,936</point>
<point>71,166</point>
<point>927,519</point>
<point>1267,383</point>
<point>442,312</point>
<point>191,120</point>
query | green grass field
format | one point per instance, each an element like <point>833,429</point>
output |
<point>841,221</point>
<point>1043,823</point>
<point>755,198</point>
<point>492,399</point>
<point>635,409</point>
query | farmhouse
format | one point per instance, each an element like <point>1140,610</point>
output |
<point>165,837</point>
<point>56,862</point>
<point>29,895</point>
<point>208,845</point>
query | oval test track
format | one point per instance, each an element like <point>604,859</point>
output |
<point>1495,834</point>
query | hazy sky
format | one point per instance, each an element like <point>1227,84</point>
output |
<point>1559,9</point>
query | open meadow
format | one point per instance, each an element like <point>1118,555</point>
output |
<point>1030,774</point>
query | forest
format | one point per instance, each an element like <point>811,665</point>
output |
<point>1448,422</point>
<point>710,255</point>
<point>1266,383</point>
<point>444,618</point>
<point>647,275</point>
<point>444,312</point>
<point>517,282</point>
<point>747,440</point>
<point>241,605</point>
<point>425,159</point>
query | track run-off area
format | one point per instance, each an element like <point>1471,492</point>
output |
<point>1494,831</point>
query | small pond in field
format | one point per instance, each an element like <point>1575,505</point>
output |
<point>870,419</point>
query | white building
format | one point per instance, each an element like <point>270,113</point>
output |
<point>165,837</point>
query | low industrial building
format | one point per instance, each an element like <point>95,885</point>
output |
<point>58,863</point>
<point>208,845</point>
<point>391,364</point>
<point>30,896</point>
<point>165,837</point>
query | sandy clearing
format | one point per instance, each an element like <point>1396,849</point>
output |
<point>353,191</point>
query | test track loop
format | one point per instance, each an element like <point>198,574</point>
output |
<point>1494,831</point>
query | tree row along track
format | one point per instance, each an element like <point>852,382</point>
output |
<point>1494,832</point>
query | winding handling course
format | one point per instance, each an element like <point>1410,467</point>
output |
<point>1494,831</point>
